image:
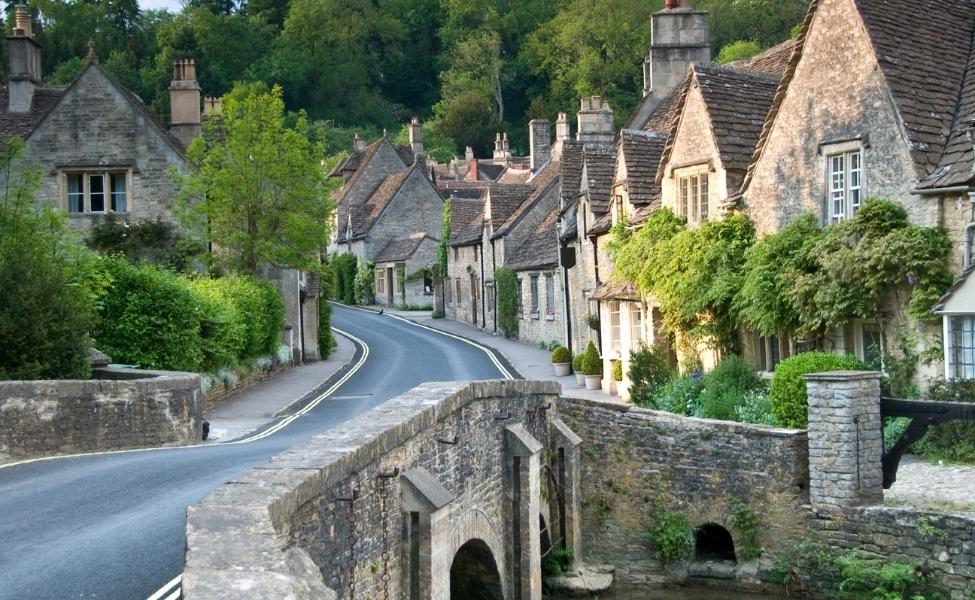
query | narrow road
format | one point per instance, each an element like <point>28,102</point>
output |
<point>112,526</point>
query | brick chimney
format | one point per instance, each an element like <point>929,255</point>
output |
<point>539,138</point>
<point>679,37</point>
<point>416,137</point>
<point>25,63</point>
<point>184,102</point>
<point>212,106</point>
<point>358,143</point>
<point>472,174</point>
<point>595,122</point>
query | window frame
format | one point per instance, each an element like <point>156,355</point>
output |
<point>694,193</point>
<point>615,327</point>
<point>844,186</point>
<point>534,294</point>
<point>956,350</point>
<point>109,193</point>
<point>549,296</point>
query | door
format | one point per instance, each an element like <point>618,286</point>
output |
<point>389,286</point>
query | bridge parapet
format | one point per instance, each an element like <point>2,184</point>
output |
<point>380,506</point>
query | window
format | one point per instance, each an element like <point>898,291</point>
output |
<point>427,283</point>
<point>845,178</point>
<point>490,297</point>
<point>963,347</point>
<point>97,192</point>
<point>475,253</point>
<point>614,327</point>
<point>618,208</point>
<point>380,281</point>
<point>534,290</point>
<point>458,299</point>
<point>694,198</point>
<point>769,352</point>
<point>549,295</point>
<point>636,326</point>
<point>456,253</point>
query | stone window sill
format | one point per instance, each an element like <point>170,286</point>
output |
<point>549,317</point>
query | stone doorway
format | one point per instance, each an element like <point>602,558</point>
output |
<point>474,573</point>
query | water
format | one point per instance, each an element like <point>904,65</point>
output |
<point>691,593</point>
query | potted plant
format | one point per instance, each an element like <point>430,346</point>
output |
<point>577,369</point>
<point>617,380</point>
<point>592,320</point>
<point>562,361</point>
<point>592,367</point>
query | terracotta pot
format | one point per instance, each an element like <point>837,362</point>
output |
<point>562,369</point>
<point>594,382</point>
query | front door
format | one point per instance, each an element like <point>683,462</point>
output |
<point>389,286</point>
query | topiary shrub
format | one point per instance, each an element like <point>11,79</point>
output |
<point>788,393</point>
<point>617,370</point>
<point>591,363</point>
<point>561,355</point>
<point>577,363</point>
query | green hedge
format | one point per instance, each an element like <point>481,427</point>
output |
<point>788,393</point>
<point>223,327</point>
<point>506,287</point>
<point>344,269</point>
<point>326,340</point>
<point>263,307</point>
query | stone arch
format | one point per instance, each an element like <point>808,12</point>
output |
<point>712,542</point>
<point>474,573</point>
<point>474,524</point>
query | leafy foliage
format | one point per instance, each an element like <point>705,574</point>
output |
<point>617,370</point>
<point>157,241</point>
<point>672,536</point>
<point>506,285</point>
<point>649,370</point>
<point>726,387</point>
<point>365,283</point>
<point>591,363</point>
<point>557,562</point>
<point>223,328</point>
<point>258,188</point>
<point>45,314</point>
<point>344,269</point>
<point>577,363</point>
<point>739,50</point>
<point>326,339</point>
<point>953,441</point>
<point>443,247</point>
<point>788,393</point>
<point>561,355</point>
<point>746,522</point>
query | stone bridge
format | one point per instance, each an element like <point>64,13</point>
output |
<point>445,491</point>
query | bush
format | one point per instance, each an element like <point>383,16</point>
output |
<point>151,318</point>
<point>506,285</point>
<point>649,370</point>
<point>591,363</point>
<point>617,370</point>
<point>755,407</point>
<point>726,387</point>
<point>953,441</point>
<point>672,536</point>
<point>561,355</point>
<point>155,241</point>
<point>788,393</point>
<point>577,363</point>
<point>364,283</point>
<point>263,309</point>
<point>344,269</point>
<point>326,339</point>
<point>679,395</point>
<point>223,328</point>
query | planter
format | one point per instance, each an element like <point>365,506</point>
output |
<point>594,382</point>
<point>623,388</point>
<point>562,369</point>
<point>580,379</point>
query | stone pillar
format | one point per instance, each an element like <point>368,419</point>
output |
<point>568,453</point>
<point>425,505</point>
<point>845,438</point>
<point>523,452</point>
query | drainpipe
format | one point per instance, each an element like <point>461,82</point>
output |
<point>494,269</point>
<point>595,260</point>
<point>568,318</point>
<point>483,289</point>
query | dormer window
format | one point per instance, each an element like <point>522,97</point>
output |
<point>96,192</point>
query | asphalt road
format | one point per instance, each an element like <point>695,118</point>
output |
<point>112,526</point>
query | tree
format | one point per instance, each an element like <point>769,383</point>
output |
<point>258,186</point>
<point>45,314</point>
<point>739,50</point>
<point>469,120</point>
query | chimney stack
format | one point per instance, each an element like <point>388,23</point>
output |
<point>595,122</point>
<point>25,63</point>
<point>184,102</point>
<point>358,143</point>
<point>502,153</point>
<point>416,137</point>
<point>468,153</point>
<point>472,174</point>
<point>212,106</point>
<point>562,132</point>
<point>539,138</point>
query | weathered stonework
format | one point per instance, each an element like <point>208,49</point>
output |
<point>124,408</point>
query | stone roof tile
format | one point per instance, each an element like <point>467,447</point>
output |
<point>540,250</point>
<point>640,151</point>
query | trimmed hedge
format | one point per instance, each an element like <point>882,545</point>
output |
<point>591,363</point>
<point>788,393</point>
<point>223,327</point>
<point>344,269</point>
<point>263,308</point>
<point>561,355</point>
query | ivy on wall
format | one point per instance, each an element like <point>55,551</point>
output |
<point>444,246</point>
<point>507,299</point>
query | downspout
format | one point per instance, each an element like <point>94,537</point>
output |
<point>568,318</point>
<point>483,290</point>
<point>494,269</point>
<point>595,260</point>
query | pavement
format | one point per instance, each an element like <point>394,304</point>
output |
<point>261,403</point>
<point>529,361</point>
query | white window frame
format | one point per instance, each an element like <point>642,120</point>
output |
<point>636,325</point>
<point>615,329</point>
<point>694,194</point>
<point>959,359</point>
<point>108,194</point>
<point>843,172</point>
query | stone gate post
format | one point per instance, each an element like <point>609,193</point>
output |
<point>845,438</point>
<point>568,448</point>
<point>526,565</point>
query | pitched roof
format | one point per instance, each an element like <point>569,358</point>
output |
<point>505,200</point>
<point>466,221</point>
<point>773,61</point>
<point>615,290</point>
<point>601,225</point>
<point>462,189</point>
<point>540,250</point>
<point>541,184</point>
<point>640,151</point>
<point>401,249</point>
<point>365,215</point>
<point>663,116</point>
<point>22,125</point>
<point>600,169</point>
<point>571,170</point>
<point>514,175</point>
<point>349,163</point>
<point>367,156</point>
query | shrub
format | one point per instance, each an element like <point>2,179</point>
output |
<point>755,407</point>
<point>649,370</point>
<point>577,363</point>
<point>557,562</point>
<point>344,268</point>
<point>679,395</point>
<point>365,283</point>
<point>591,363</point>
<point>263,309</point>
<point>506,285</point>
<point>155,241</point>
<point>617,370</point>
<point>326,339</point>
<point>151,318</point>
<point>672,536</point>
<point>561,355</point>
<point>725,388</point>
<point>788,393</point>
<point>223,328</point>
<point>955,440</point>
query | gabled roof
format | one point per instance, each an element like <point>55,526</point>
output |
<point>774,61</point>
<point>599,164</point>
<point>462,189</point>
<point>365,214</point>
<point>364,161</point>
<point>540,250</point>
<point>505,200</point>
<point>402,249</point>
<point>640,151</point>
<point>466,221</point>
<point>514,175</point>
<point>941,307</point>
<point>541,185</point>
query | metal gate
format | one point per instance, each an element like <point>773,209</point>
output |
<point>923,414</point>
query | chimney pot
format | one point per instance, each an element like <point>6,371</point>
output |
<point>22,21</point>
<point>358,143</point>
<point>468,153</point>
<point>671,4</point>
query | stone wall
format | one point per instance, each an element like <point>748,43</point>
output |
<point>635,460</point>
<point>126,408</point>
<point>543,325</point>
<point>301,524</point>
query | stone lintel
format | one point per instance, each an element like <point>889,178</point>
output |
<point>520,442</point>
<point>421,492</point>
<point>564,436</point>
<point>842,376</point>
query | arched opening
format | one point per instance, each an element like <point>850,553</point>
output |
<point>713,542</point>
<point>474,573</point>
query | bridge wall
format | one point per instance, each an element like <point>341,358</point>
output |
<point>288,529</point>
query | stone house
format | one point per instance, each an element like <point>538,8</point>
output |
<point>895,125</point>
<point>100,151</point>
<point>389,213</point>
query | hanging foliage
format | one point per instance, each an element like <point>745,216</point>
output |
<point>507,289</point>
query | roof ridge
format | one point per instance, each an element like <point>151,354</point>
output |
<point>735,70</point>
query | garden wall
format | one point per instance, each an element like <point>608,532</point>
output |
<point>119,409</point>
<point>636,460</point>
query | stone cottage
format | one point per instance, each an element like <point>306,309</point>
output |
<point>896,125</point>
<point>389,213</point>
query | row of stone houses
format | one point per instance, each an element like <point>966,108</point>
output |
<point>873,98</point>
<point>100,151</point>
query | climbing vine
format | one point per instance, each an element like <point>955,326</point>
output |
<point>507,299</point>
<point>444,244</point>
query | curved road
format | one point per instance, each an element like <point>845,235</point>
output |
<point>112,526</point>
